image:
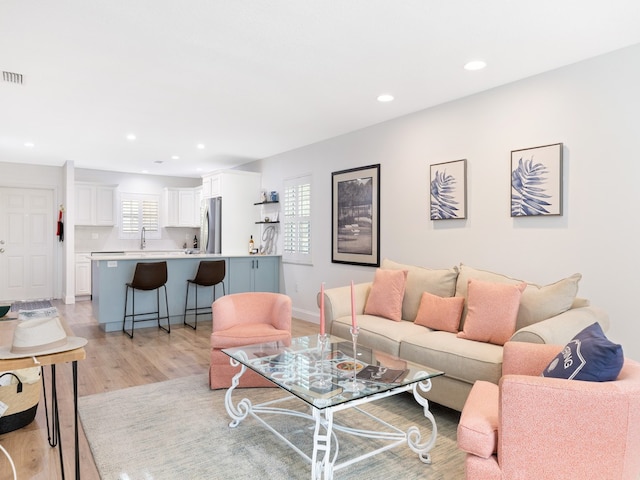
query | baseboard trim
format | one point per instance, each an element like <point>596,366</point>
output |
<point>307,316</point>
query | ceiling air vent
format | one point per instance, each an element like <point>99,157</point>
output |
<point>12,77</point>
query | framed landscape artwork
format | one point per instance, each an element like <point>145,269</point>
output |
<point>355,216</point>
<point>448,190</point>
<point>536,181</point>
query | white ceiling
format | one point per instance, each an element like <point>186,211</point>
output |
<point>253,78</point>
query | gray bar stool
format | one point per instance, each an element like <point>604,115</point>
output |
<point>147,276</point>
<point>210,273</point>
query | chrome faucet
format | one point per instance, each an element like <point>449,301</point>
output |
<point>143,240</point>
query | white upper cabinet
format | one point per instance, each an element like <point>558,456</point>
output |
<point>182,207</point>
<point>95,204</point>
<point>212,185</point>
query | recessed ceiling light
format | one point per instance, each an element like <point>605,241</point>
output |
<point>175,157</point>
<point>385,98</point>
<point>131,137</point>
<point>200,146</point>
<point>29,144</point>
<point>144,171</point>
<point>475,65</point>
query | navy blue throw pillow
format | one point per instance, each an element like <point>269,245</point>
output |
<point>590,356</point>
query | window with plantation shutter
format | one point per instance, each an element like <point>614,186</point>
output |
<point>297,220</point>
<point>137,211</point>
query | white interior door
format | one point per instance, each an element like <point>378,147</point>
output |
<point>26,244</point>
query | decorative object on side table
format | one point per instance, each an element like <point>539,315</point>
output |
<point>448,190</point>
<point>536,181</point>
<point>355,216</point>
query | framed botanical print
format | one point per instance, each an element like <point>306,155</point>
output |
<point>536,181</point>
<point>448,190</point>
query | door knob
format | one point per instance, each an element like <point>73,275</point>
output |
<point>1,250</point>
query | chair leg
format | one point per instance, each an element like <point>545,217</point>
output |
<point>166,300</point>
<point>124,318</point>
<point>166,304</point>
<point>133,311</point>
<point>195,318</point>
<point>186,302</point>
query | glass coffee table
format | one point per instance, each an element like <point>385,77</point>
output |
<point>321,372</point>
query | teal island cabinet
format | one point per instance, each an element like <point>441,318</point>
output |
<point>111,273</point>
<point>254,274</point>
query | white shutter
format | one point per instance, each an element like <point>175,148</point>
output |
<point>297,220</point>
<point>137,211</point>
<point>129,223</point>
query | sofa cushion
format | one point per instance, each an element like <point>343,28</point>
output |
<point>492,309</point>
<point>460,359</point>
<point>386,295</point>
<point>478,427</point>
<point>589,356</point>
<point>377,333</point>
<point>440,313</point>
<point>541,302</point>
<point>537,302</point>
<point>441,282</point>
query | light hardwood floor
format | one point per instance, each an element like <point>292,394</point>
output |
<point>114,361</point>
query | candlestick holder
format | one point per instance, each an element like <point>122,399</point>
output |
<point>353,385</point>
<point>322,381</point>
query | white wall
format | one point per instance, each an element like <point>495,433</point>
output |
<point>592,107</point>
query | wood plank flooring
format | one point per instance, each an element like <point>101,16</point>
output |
<point>114,361</point>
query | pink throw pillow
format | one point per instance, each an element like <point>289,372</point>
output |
<point>387,292</point>
<point>440,313</point>
<point>492,310</point>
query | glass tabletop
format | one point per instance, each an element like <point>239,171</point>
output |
<point>322,372</point>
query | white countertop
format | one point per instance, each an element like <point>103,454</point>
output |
<point>164,255</point>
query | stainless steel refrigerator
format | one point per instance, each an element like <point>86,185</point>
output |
<point>211,231</point>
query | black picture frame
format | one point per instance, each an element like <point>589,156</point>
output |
<point>355,216</point>
<point>536,181</point>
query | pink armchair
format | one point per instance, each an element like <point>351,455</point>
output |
<point>245,319</point>
<point>533,427</point>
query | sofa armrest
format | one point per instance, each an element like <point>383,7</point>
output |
<point>524,358</point>
<point>562,328</point>
<point>541,417</point>
<point>337,301</point>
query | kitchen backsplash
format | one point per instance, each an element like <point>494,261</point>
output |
<point>101,239</point>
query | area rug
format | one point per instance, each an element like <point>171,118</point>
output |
<point>33,305</point>
<point>180,429</point>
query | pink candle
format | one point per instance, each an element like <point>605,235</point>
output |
<point>322,309</point>
<point>354,324</point>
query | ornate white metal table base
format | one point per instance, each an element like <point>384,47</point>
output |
<point>325,442</point>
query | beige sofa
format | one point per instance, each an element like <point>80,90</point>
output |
<point>550,314</point>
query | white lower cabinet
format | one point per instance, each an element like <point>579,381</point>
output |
<point>83,275</point>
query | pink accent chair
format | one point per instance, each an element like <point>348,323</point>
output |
<point>245,319</point>
<point>529,426</point>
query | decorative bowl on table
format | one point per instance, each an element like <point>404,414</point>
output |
<point>4,309</point>
<point>347,366</point>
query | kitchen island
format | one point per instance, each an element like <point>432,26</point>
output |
<point>111,273</point>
